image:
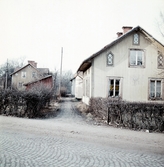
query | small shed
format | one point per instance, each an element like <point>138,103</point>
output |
<point>46,82</point>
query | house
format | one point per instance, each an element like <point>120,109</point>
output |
<point>77,85</point>
<point>131,67</point>
<point>46,82</point>
<point>26,74</point>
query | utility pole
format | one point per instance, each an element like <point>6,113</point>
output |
<point>6,75</point>
<point>60,72</point>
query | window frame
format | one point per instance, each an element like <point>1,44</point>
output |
<point>138,39</point>
<point>155,89</point>
<point>114,92</point>
<point>23,74</point>
<point>143,57</point>
<point>158,64</point>
<point>109,65</point>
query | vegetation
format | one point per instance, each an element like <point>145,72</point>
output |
<point>132,115</point>
<point>24,103</point>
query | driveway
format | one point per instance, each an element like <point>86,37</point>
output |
<point>68,140</point>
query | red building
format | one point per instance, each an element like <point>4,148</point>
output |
<point>46,82</point>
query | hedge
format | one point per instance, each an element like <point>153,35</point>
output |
<point>134,115</point>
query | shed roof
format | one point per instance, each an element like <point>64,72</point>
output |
<point>28,83</point>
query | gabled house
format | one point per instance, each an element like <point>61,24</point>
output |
<point>131,67</point>
<point>77,85</point>
<point>26,74</point>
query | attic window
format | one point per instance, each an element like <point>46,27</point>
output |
<point>110,58</point>
<point>136,39</point>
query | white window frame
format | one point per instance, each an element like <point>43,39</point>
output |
<point>23,74</point>
<point>33,74</point>
<point>114,90</point>
<point>155,89</point>
<point>136,58</point>
<point>112,59</point>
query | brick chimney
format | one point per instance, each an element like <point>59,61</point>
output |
<point>119,34</point>
<point>33,63</point>
<point>126,29</point>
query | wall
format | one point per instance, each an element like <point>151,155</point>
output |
<point>17,77</point>
<point>134,81</point>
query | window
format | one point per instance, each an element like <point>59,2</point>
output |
<point>33,74</point>
<point>110,59</point>
<point>136,57</point>
<point>160,61</point>
<point>20,84</point>
<point>114,87</point>
<point>155,89</point>
<point>23,74</point>
<point>136,39</point>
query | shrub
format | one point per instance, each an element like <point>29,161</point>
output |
<point>24,103</point>
<point>133,115</point>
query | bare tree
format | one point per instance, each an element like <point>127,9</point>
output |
<point>7,68</point>
<point>160,24</point>
<point>65,82</point>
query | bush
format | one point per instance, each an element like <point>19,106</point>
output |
<point>24,103</point>
<point>129,114</point>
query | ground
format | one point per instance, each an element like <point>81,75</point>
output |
<point>71,140</point>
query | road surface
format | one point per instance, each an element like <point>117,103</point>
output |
<point>68,140</point>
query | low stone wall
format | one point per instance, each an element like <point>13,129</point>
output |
<point>148,116</point>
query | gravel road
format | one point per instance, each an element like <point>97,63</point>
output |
<point>68,140</point>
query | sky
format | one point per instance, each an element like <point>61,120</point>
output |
<point>38,29</point>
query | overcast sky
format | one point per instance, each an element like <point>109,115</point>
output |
<point>37,29</point>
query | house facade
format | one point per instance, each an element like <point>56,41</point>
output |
<point>131,67</point>
<point>77,85</point>
<point>26,74</point>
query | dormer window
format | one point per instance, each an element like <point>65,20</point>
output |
<point>136,39</point>
<point>110,59</point>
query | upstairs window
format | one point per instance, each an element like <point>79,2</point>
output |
<point>155,89</point>
<point>136,58</point>
<point>33,74</point>
<point>23,74</point>
<point>114,87</point>
<point>160,61</point>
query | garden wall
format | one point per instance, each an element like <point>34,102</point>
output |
<point>149,116</point>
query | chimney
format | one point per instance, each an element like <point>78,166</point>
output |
<point>126,29</point>
<point>119,34</point>
<point>33,63</point>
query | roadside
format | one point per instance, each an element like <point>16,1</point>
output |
<point>71,125</point>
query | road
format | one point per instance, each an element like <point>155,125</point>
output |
<point>68,140</point>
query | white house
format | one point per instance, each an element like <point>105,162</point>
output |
<point>77,85</point>
<point>131,67</point>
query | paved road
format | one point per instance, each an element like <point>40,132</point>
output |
<point>69,141</point>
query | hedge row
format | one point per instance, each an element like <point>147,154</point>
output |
<point>24,103</point>
<point>133,115</point>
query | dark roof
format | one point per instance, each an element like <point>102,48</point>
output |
<point>87,62</point>
<point>19,69</point>
<point>43,70</point>
<point>48,76</point>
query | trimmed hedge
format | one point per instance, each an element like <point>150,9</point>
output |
<point>134,115</point>
<point>24,103</point>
